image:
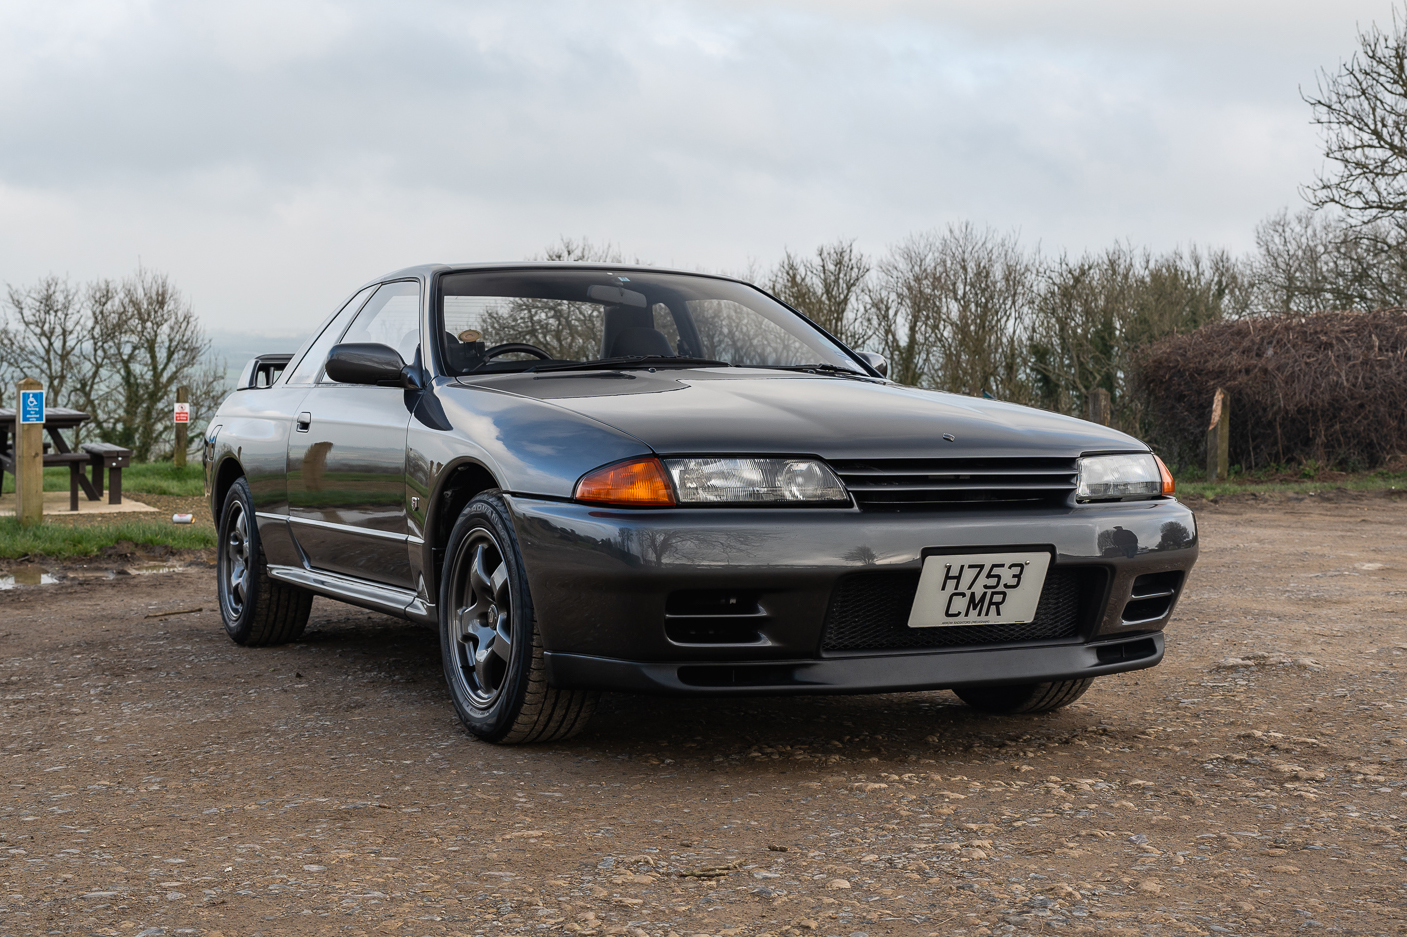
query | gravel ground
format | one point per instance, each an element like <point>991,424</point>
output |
<point>160,780</point>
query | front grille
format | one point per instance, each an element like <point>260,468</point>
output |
<point>870,612</point>
<point>937,484</point>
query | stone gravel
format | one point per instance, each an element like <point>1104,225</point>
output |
<point>156,779</point>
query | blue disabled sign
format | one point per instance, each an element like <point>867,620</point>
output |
<point>31,406</point>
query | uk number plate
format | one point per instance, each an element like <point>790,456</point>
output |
<point>979,589</point>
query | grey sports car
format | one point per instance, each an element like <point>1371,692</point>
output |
<point>593,477</point>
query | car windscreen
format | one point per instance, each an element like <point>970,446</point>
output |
<point>513,320</point>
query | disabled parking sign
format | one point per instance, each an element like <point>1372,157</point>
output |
<point>31,406</point>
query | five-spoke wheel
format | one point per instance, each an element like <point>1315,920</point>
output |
<point>256,608</point>
<point>235,581</point>
<point>489,640</point>
<point>483,619</point>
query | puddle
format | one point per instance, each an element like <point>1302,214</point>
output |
<point>32,575</point>
<point>29,575</point>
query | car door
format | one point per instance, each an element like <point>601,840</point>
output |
<point>347,454</point>
<point>266,424</point>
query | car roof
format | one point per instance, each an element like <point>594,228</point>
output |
<point>426,270</point>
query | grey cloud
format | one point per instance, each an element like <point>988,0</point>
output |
<point>289,137</point>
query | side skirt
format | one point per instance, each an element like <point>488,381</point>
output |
<point>378,598</point>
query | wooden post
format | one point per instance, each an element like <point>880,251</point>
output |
<point>1219,438</point>
<point>1100,407</point>
<point>182,396</point>
<point>29,459</point>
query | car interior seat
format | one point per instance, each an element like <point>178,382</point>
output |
<point>631,331</point>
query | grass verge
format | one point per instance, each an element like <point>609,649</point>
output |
<point>63,541</point>
<point>153,478</point>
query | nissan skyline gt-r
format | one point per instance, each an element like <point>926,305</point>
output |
<point>594,477</point>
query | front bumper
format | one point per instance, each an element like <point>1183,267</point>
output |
<point>889,673</point>
<point>605,584</point>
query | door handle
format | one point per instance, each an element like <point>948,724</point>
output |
<point>305,420</point>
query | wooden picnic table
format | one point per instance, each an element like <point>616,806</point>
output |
<point>55,419</point>
<point>98,455</point>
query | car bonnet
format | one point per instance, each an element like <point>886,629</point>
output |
<point>758,411</point>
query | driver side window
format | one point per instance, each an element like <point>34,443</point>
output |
<point>391,317</point>
<point>310,365</point>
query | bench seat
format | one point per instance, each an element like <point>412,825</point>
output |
<point>76,479</point>
<point>106,456</point>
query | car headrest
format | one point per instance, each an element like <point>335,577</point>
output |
<point>616,318</point>
<point>635,340</point>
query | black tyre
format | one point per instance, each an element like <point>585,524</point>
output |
<point>257,610</point>
<point>489,640</point>
<point>1024,698</point>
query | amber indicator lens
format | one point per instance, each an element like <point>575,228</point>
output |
<point>1169,486</point>
<point>630,484</point>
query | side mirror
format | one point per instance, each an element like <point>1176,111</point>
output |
<point>875,361</point>
<point>366,363</point>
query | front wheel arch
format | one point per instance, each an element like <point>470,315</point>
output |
<point>459,483</point>
<point>515,705</point>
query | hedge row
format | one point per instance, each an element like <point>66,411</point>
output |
<point>1329,387</point>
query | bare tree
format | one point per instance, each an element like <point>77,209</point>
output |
<point>828,287</point>
<point>1187,289</point>
<point>1315,260</point>
<point>43,334</point>
<point>902,309</point>
<point>1077,343</point>
<point>1095,314</point>
<point>1362,111</point>
<point>990,285</point>
<point>950,310</point>
<point>147,342</point>
<point>1295,268</point>
<point>117,350</point>
<point>582,250</point>
<point>1350,251</point>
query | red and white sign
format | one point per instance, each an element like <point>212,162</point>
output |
<point>183,413</point>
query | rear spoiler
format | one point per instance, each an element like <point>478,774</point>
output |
<point>262,371</point>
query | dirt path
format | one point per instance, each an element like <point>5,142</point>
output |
<point>158,779</point>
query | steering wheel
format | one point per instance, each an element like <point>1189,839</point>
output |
<point>508,348</point>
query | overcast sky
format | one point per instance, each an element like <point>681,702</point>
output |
<point>272,154</point>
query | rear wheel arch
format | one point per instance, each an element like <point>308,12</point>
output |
<point>256,609</point>
<point>226,474</point>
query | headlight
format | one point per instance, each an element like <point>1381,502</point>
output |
<point>1122,478</point>
<point>754,481</point>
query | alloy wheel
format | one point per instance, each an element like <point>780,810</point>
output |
<point>482,626</point>
<point>236,556</point>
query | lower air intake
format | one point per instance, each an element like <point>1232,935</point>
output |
<point>870,612</point>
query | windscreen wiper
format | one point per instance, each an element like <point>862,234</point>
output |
<point>820,368</point>
<point>632,361</point>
